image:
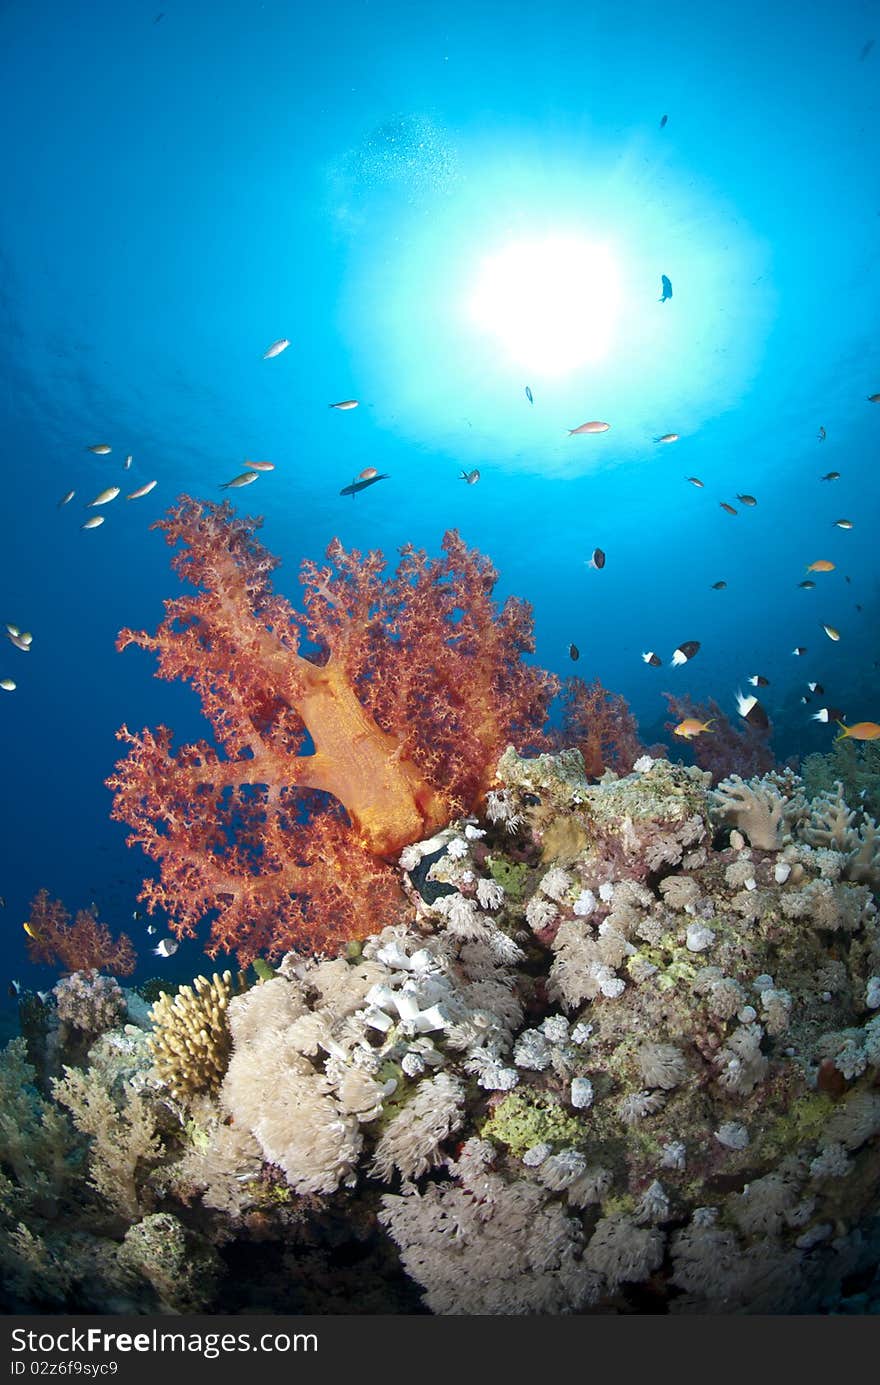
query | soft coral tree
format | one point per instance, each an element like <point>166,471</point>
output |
<point>327,761</point>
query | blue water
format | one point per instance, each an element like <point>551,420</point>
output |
<point>180,191</point>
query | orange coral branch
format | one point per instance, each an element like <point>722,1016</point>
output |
<point>417,686</point>
<point>79,946</point>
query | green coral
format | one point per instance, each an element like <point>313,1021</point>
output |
<point>510,875</point>
<point>527,1118</point>
<point>856,767</point>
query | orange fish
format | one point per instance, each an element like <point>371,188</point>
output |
<point>259,466</point>
<point>862,731</point>
<point>821,565</point>
<point>593,427</point>
<point>690,727</point>
<point>368,473</point>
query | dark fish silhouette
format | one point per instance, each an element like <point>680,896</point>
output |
<point>663,120</point>
<point>866,50</point>
<point>529,394</point>
<point>356,486</point>
<point>667,289</point>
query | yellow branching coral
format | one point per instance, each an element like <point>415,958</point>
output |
<point>191,1041</point>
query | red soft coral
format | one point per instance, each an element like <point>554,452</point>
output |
<point>601,726</point>
<point>326,763</point>
<point>724,749</point>
<point>78,946</point>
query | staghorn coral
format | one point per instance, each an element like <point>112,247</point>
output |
<point>83,945</point>
<point>191,1043</point>
<point>416,686</point>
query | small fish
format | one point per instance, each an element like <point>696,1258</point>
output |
<point>695,481</point>
<point>93,523</point>
<point>356,486</point>
<point>573,652</point>
<point>805,699</point>
<point>594,427</point>
<point>166,948</point>
<point>874,398</point>
<point>276,348</point>
<point>684,652</point>
<point>864,53</point>
<point>667,437</point>
<point>826,714</point>
<point>597,560</point>
<point>663,120</point>
<point>842,523</point>
<point>12,630</point>
<point>66,499</point>
<point>831,632</point>
<point>26,637</point>
<point>690,727</point>
<point>807,585</point>
<point>799,650</point>
<point>758,680</point>
<point>718,586</point>
<point>137,914</point>
<point>151,929</point>
<point>729,508</point>
<point>368,473</point>
<point>244,479</point>
<point>830,476</point>
<point>858,607</point>
<point>2,902</point>
<point>104,497</point>
<point>653,659</point>
<point>816,688</point>
<point>141,490</point>
<point>344,404</point>
<point>751,711</point>
<point>20,642</point>
<point>7,685</point>
<point>127,463</point>
<point>472,477</point>
<point>529,396</point>
<point>30,932</point>
<point>667,289</point>
<point>847,579</point>
<point>822,435</point>
<point>14,990</point>
<point>100,449</point>
<point>259,466</point>
<point>861,731</point>
<point>821,565</point>
<point>747,500</point>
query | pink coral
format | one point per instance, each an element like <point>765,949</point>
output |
<point>326,763</point>
<point>724,750</point>
<point>84,945</point>
<point>601,726</point>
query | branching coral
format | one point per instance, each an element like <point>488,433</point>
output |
<point>123,1140</point>
<point>725,749</point>
<point>328,763</point>
<point>191,1042</point>
<point>601,726</point>
<point>83,945</point>
<point>756,808</point>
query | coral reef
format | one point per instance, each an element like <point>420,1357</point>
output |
<point>601,726</point>
<point>191,1043</point>
<point>326,763</point>
<point>726,749</point>
<point>83,945</point>
<point>855,767</point>
<point>621,1055</point>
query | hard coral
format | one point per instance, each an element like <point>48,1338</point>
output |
<point>191,1042</point>
<point>83,945</point>
<point>327,763</point>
